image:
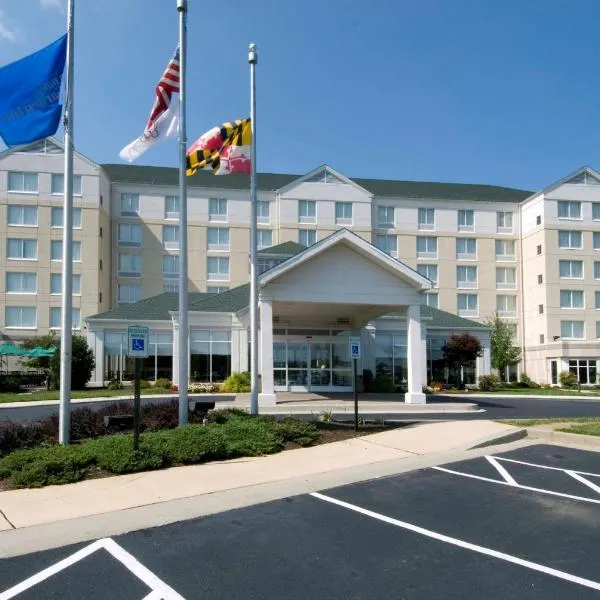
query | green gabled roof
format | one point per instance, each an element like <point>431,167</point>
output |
<point>145,175</point>
<point>440,319</point>
<point>230,301</point>
<point>285,250</point>
<point>155,308</point>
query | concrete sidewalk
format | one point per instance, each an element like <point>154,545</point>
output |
<point>32,507</point>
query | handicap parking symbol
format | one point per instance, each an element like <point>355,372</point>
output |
<point>137,344</point>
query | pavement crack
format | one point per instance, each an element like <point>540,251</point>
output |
<point>3,514</point>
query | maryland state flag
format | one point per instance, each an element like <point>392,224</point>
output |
<point>225,149</point>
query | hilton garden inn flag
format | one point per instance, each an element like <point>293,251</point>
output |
<point>164,118</point>
<point>30,94</point>
<point>225,149</point>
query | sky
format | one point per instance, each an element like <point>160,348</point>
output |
<point>472,91</point>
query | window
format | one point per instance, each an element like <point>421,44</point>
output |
<point>21,283</point>
<point>506,306</point>
<point>210,354</point>
<point>466,248</point>
<point>171,207</point>
<point>570,269</point>
<point>467,305</point>
<point>506,278</point>
<point>538,249</point>
<point>596,270</point>
<point>56,250</point>
<point>571,299</point>
<point>540,278</point>
<point>388,243</point>
<point>569,239</point>
<point>597,329</point>
<point>584,370</point>
<point>540,309</point>
<point>505,250</point>
<point>170,236</point>
<point>217,209</point>
<point>538,219</point>
<point>129,265</point>
<point>385,216</point>
<point>218,238</point>
<point>504,222</point>
<point>596,211</point>
<point>429,271</point>
<point>56,219</point>
<point>56,284</point>
<point>466,220</point>
<point>596,240</point>
<point>23,182</point>
<point>129,293</point>
<point>466,277</point>
<point>343,213</point>
<point>20,317</point>
<point>426,218</point>
<point>218,268</point>
<point>430,299</point>
<point>307,211</point>
<point>542,339</point>
<point>597,299</point>
<point>130,205</point>
<point>170,266</point>
<point>216,289</point>
<point>129,234</point>
<point>19,249</point>
<point>22,216</point>
<point>171,287</point>
<point>264,264</point>
<point>264,238</point>
<point>55,318</point>
<point>263,211</point>
<point>58,184</point>
<point>307,237</point>
<point>426,247</point>
<point>569,210</point>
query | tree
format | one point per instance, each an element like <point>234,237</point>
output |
<point>43,363</point>
<point>504,352</point>
<point>459,351</point>
<point>82,364</point>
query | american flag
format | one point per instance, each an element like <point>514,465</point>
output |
<point>165,88</point>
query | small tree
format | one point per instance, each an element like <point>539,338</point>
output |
<point>459,351</point>
<point>41,363</point>
<point>504,352</point>
<point>82,364</point>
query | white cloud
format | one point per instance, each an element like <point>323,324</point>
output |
<point>7,32</point>
<point>59,5</point>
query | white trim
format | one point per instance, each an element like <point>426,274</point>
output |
<point>331,170</point>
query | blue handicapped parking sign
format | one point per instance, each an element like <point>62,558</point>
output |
<point>137,344</point>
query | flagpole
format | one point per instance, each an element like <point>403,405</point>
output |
<point>64,428</point>
<point>253,60</point>
<point>183,245</point>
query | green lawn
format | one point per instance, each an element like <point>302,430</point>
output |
<point>96,393</point>
<point>543,391</point>
<point>581,425</point>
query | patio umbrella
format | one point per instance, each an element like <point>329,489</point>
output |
<point>39,352</point>
<point>8,349</point>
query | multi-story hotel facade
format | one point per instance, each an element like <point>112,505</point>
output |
<point>464,251</point>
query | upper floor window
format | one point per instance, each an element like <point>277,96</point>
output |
<point>171,207</point>
<point>429,271</point>
<point>264,238</point>
<point>21,249</point>
<point>307,211</point>
<point>263,211</point>
<point>568,209</point>
<point>127,293</point>
<point>466,248</point>
<point>129,265</point>
<point>56,217</point>
<point>21,283</point>
<point>218,268</point>
<point>130,205</point>
<point>129,234</point>
<point>343,213</point>
<point>388,243</point>
<point>430,299</point>
<point>505,250</point>
<point>217,209</point>
<point>506,278</point>
<point>571,299</point>
<point>466,277</point>
<point>56,318</point>
<point>20,317</point>
<point>56,284</point>
<point>569,239</point>
<point>56,250</point>
<point>58,184</point>
<point>385,216</point>
<point>596,211</point>
<point>23,216</point>
<point>504,222</point>
<point>171,287</point>
<point>596,270</point>
<point>264,264</point>
<point>170,235</point>
<point>466,305</point>
<point>570,269</point>
<point>426,218</point>
<point>596,240</point>
<point>307,237</point>
<point>218,238</point>
<point>216,289</point>
<point>572,330</point>
<point>506,306</point>
<point>426,247</point>
<point>19,181</point>
<point>170,266</point>
<point>466,220</point>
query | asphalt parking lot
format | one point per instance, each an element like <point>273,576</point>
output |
<point>522,524</point>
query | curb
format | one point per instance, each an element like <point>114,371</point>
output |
<point>562,437</point>
<point>503,438</point>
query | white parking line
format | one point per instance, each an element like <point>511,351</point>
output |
<point>528,464</point>
<point>583,480</point>
<point>463,544</point>
<point>505,474</point>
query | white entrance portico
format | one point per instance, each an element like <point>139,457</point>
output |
<point>312,302</point>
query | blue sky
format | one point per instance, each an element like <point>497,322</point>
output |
<point>442,90</point>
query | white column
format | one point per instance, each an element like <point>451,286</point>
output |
<point>175,374</point>
<point>95,340</point>
<point>484,362</point>
<point>415,393</point>
<point>267,393</point>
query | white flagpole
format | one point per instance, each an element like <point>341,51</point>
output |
<point>64,429</point>
<point>252,60</point>
<point>183,245</point>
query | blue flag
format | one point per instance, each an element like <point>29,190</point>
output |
<point>30,93</point>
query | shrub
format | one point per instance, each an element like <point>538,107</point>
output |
<point>163,383</point>
<point>250,437</point>
<point>294,430</point>
<point>82,364</point>
<point>436,386</point>
<point>163,415</point>
<point>14,436</point>
<point>488,383</point>
<point>145,385</point>
<point>10,383</point>
<point>526,382</point>
<point>567,379</point>
<point>193,444</point>
<point>383,383</point>
<point>115,384</point>
<point>237,383</point>
<point>222,415</point>
<point>203,388</point>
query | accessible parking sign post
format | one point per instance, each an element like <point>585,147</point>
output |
<point>355,355</point>
<point>137,348</point>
